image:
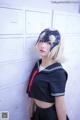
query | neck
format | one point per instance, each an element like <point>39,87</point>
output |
<point>46,62</point>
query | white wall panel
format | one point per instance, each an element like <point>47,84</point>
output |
<point>73,23</point>
<point>14,100</point>
<point>68,23</point>
<point>59,21</point>
<point>12,21</point>
<point>30,48</point>
<point>37,21</point>
<point>13,73</point>
<point>71,44</point>
<point>41,5</point>
<point>11,49</point>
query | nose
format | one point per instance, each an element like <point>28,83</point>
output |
<point>43,44</point>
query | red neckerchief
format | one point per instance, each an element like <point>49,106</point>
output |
<point>32,78</point>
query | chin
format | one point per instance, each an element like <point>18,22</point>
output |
<point>43,56</point>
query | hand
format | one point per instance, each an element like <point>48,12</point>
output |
<point>33,116</point>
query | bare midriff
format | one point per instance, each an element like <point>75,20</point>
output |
<point>42,104</point>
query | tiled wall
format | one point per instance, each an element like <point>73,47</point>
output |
<point>18,33</point>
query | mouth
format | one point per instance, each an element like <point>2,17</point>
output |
<point>42,51</point>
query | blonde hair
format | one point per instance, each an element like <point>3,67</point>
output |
<point>57,53</point>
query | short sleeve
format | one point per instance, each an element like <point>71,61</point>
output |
<point>58,83</point>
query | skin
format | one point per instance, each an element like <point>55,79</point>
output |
<point>45,47</point>
<point>43,50</point>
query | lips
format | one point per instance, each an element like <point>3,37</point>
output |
<point>42,51</point>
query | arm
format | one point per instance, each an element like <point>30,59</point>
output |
<point>57,85</point>
<point>60,107</point>
<point>31,107</point>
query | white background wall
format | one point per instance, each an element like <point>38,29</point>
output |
<point>40,4</point>
<point>19,28</point>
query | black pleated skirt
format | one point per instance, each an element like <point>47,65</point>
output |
<point>46,113</point>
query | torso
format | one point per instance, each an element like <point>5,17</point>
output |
<point>42,104</point>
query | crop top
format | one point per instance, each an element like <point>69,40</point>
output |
<point>44,85</point>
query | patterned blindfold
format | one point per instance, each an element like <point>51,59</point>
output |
<point>51,36</point>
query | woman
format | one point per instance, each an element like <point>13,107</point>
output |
<point>47,82</point>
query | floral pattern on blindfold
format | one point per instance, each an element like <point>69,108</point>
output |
<point>52,39</point>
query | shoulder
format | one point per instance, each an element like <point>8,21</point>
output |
<point>58,81</point>
<point>59,73</point>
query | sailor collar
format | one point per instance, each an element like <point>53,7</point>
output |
<point>51,67</point>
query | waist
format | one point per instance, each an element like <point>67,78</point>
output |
<point>42,104</point>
